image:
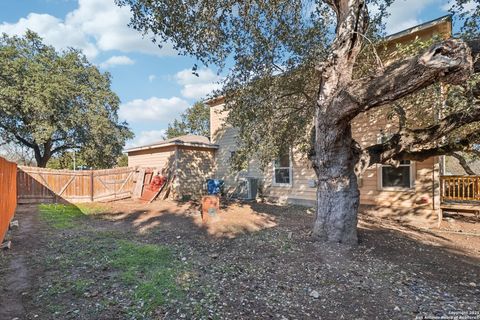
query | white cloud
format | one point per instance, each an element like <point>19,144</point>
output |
<point>54,31</point>
<point>152,77</point>
<point>146,137</point>
<point>197,87</point>
<point>117,61</point>
<point>153,109</point>
<point>404,14</point>
<point>96,25</point>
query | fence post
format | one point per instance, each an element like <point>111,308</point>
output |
<point>91,185</point>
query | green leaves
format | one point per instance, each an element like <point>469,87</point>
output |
<point>55,101</point>
<point>274,49</point>
<point>195,120</point>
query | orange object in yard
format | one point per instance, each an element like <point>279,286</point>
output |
<point>152,190</point>
<point>210,207</point>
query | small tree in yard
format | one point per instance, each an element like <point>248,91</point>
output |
<point>53,102</point>
<point>122,161</point>
<point>294,83</point>
<point>195,120</point>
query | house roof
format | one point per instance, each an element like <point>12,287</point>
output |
<point>189,140</point>
<point>424,26</point>
<point>396,37</point>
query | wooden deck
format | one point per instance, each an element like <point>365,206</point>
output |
<point>459,194</point>
<point>455,206</point>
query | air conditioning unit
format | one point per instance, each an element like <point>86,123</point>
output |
<point>248,188</point>
<point>252,188</point>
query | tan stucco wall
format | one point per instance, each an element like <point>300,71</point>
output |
<point>152,158</point>
<point>191,165</point>
<point>194,167</point>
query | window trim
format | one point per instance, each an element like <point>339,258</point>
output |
<point>290,171</point>
<point>412,178</point>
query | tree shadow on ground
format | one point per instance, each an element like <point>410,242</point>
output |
<point>181,217</point>
<point>462,216</point>
<point>421,255</point>
<point>420,250</point>
<point>268,244</point>
<point>416,249</point>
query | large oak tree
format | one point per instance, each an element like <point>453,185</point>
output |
<point>52,102</point>
<point>294,82</point>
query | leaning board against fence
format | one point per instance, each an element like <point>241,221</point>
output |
<point>8,194</point>
<point>37,185</point>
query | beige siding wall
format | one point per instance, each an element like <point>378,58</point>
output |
<point>152,158</point>
<point>194,166</point>
<point>299,189</point>
<point>367,130</point>
<point>420,195</point>
<point>224,136</point>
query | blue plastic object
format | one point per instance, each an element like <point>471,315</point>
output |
<point>214,186</point>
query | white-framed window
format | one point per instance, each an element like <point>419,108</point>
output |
<point>399,178</point>
<point>282,170</point>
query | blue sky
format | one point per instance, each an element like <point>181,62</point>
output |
<point>155,85</point>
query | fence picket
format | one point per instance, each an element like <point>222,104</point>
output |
<point>46,185</point>
<point>8,194</point>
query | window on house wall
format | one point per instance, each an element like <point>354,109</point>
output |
<point>282,169</point>
<point>400,177</point>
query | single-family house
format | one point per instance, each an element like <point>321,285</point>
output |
<point>290,178</point>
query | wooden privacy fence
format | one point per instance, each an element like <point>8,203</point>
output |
<point>8,194</point>
<point>48,185</point>
<point>460,188</point>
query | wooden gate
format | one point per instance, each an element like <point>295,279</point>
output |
<point>39,185</point>
<point>112,184</point>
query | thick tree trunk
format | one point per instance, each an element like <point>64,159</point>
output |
<point>336,153</point>
<point>340,98</point>
<point>337,192</point>
<point>41,160</point>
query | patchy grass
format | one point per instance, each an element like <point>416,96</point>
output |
<point>92,208</point>
<point>151,270</point>
<point>62,216</point>
<point>145,277</point>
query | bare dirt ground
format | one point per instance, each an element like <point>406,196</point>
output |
<point>256,261</point>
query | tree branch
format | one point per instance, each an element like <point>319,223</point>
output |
<point>463,162</point>
<point>446,125</point>
<point>475,47</point>
<point>64,147</point>
<point>19,138</point>
<point>450,61</point>
<point>393,149</point>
